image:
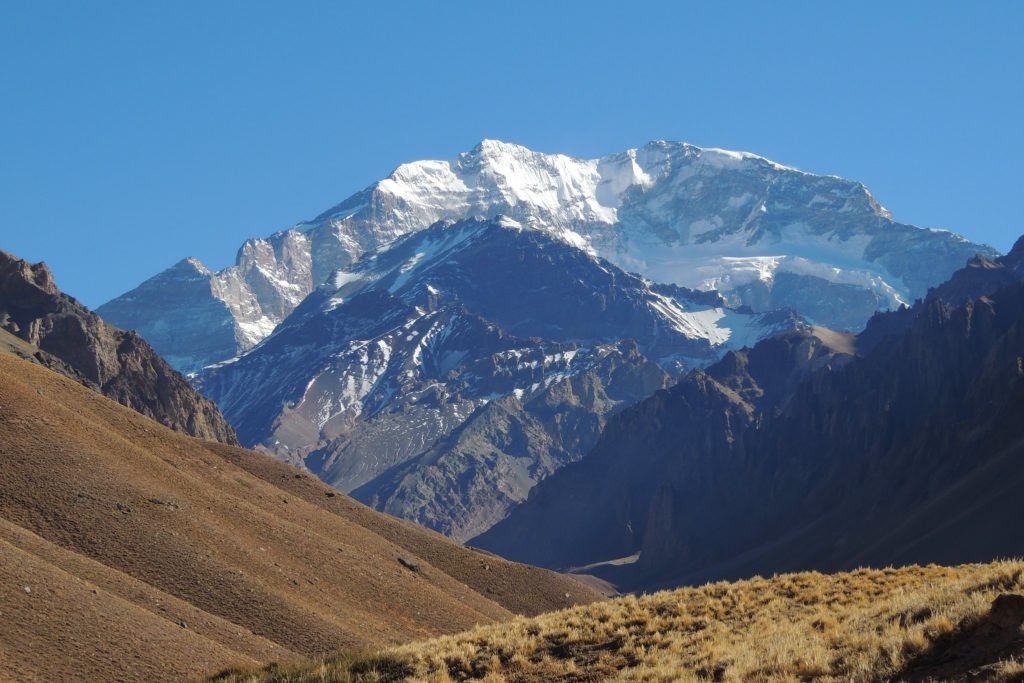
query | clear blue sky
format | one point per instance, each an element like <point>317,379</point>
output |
<point>133,134</point>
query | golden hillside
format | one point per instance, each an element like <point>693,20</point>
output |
<point>134,553</point>
<point>914,624</point>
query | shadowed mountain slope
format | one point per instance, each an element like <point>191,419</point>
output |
<point>910,453</point>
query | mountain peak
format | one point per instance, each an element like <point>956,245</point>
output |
<point>489,146</point>
<point>193,264</point>
<point>36,274</point>
<point>1015,257</point>
<point>726,158</point>
<point>759,232</point>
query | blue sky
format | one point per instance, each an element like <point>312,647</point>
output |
<point>133,134</point>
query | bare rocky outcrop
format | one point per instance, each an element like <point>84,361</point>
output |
<point>72,340</point>
<point>473,477</point>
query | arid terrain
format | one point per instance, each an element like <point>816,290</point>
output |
<point>910,624</point>
<point>131,552</point>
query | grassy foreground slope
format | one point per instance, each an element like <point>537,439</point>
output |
<point>915,624</point>
<point>131,552</point>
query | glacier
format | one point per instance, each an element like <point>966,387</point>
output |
<point>763,234</point>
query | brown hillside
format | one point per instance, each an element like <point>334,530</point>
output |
<point>149,555</point>
<point>916,624</point>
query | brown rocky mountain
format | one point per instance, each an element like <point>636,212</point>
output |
<point>800,453</point>
<point>67,337</point>
<point>132,552</point>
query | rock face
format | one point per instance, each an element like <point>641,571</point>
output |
<point>982,276</point>
<point>799,454</point>
<point>440,379</point>
<point>762,234</point>
<point>600,508</point>
<point>73,340</point>
<point>471,478</point>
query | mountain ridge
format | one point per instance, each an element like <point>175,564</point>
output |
<point>761,233</point>
<point>381,366</point>
<point>720,477</point>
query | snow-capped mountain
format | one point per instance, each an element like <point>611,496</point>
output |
<point>487,339</point>
<point>762,234</point>
<point>194,316</point>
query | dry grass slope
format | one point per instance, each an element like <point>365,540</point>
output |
<point>915,623</point>
<point>131,552</point>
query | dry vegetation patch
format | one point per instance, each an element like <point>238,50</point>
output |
<point>913,623</point>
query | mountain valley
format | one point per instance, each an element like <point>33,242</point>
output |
<point>658,369</point>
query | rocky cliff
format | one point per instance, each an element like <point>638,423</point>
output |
<point>73,340</point>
